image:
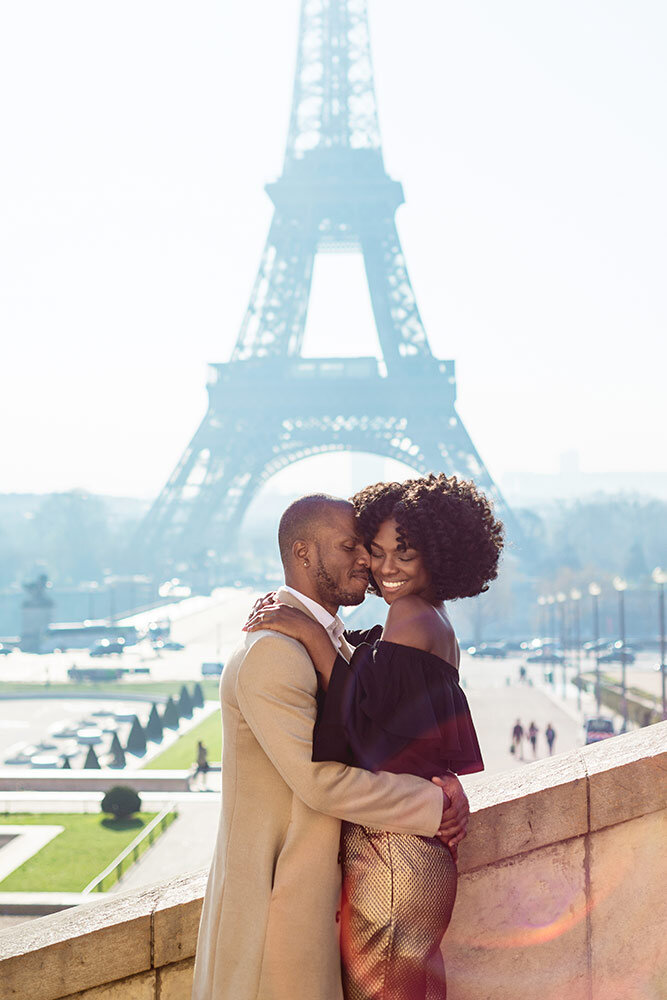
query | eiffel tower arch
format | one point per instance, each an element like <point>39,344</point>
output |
<point>270,407</point>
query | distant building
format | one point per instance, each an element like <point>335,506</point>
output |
<point>36,614</point>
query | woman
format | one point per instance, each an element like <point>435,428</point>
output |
<point>397,706</point>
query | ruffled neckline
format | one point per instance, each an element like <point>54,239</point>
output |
<point>415,649</point>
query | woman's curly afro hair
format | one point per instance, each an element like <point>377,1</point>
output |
<point>447,521</point>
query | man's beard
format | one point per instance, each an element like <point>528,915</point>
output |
<point>330,592</point>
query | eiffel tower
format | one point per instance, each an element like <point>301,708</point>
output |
<point>269,406</point>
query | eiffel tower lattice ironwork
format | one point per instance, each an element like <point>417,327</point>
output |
<point>269,406</point>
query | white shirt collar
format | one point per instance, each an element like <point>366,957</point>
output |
<point>332,623</point>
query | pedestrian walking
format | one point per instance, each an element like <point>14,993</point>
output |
<point>517,739</point>
<point>550,734</point>
<point>203,766</point>
<point>532,736</point>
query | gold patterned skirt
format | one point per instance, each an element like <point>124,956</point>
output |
<point>398,895</point>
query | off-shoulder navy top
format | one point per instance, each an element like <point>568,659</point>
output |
<point>395,708</point>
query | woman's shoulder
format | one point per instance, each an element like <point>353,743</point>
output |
<point>412,621</point>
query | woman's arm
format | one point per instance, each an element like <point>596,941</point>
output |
<point>294,623</point>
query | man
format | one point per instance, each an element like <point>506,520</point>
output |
<point>269,922</point>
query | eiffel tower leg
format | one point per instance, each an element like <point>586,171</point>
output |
<point>399,325</point>
<point>275,320</point>
<point>155,527</point>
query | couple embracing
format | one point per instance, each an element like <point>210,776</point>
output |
<point>369,728</point>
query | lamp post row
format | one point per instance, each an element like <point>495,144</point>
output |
<point>548,605</point>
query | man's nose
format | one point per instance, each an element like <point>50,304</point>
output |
<point>363,557</point>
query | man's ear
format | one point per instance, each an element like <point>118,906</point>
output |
<point>300,551</point>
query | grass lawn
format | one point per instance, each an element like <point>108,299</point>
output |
<point>117,689</point>
<point>182,754</point>
<point>89,842</point>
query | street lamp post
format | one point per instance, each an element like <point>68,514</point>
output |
<point>561,598</point>
<point>594,590</point>
<point>576,597</point>
<point>551,602</point>
<point>660,577</point>
<point>542,601</point>
<point>620,585</point>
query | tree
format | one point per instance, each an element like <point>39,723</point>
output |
<point>70,533</point>
<point>121,801</point>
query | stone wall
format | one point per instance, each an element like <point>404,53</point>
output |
<point>561,897</point>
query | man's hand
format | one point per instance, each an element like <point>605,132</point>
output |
<point>455,812</point>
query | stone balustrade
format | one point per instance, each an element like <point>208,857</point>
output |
<point>79,780</point>
<point>561,897</point>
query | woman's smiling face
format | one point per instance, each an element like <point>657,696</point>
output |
<point>397,570</point>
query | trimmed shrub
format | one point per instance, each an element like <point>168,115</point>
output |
<point>154,725</point>
<point>170,718</point>
<point>136,741</point>
<point>91,759</point>
<point>117,752</point>
<point>121,801</point>
<point>198,696</point>
<point>185,704</point>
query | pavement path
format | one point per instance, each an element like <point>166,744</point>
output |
<point>185,846</point>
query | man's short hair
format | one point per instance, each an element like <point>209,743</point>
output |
<point>302,519</point>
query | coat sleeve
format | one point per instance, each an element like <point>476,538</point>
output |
<point>276,689</point>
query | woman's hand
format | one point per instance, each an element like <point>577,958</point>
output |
<point>270,614</point>
<point>262,602</point>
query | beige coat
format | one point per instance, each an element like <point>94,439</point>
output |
<point>269,924</point>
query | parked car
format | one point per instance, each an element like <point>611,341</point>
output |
<point>598,728</point>
<point>538,644</point>
<point>485,649</point>
<point>91,673</point>
<point>617,654</point>
<point>167,644</point>
<point>596,646</point>
<point>211,669</point>
<point>545,656</point>
<point>104,647</point>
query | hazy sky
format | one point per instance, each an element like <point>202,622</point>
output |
<point>137,137</point>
